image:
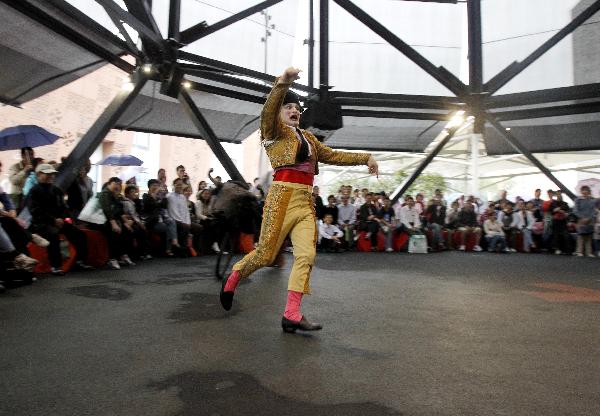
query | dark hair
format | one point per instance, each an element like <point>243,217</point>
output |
<point>177,180</point>
<point>163,169</point>
<point>130,188</point>
<point>538,190</point>
<point>408,198</point>
<point>586,187</point>
<point>152,182</point>
<point>114,179</point>
<point>180,167</point>
<point>26,149</point>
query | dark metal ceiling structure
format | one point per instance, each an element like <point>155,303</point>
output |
<point>45,44</point>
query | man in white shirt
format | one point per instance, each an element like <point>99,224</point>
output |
<point>330,235</point>
<point>346,219</point>
<point>409,217</point>
<point>178,210</point>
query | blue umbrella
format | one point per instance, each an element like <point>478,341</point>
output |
<point>121,160</point>
<point>25,136</point>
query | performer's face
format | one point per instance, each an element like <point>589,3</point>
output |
<point>290,114</point>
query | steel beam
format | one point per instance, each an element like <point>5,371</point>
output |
<point>512,140</point>
<point>576,92</point>
<point>441,74</point>
<point>225,67</point>
<point>133,21</point>
<point>69,33</point>
<point>475,64</point>
<point>558,110</point>
<point>424,163</point>
<point>212,89</point>
<point>174,20</point>
<point>209,73</point>
<point>200,30</point>
<point>311,43</point>
<point>209,135</point>
<point>514,69</point>
<point>142,9</point>
<point>97,132</point>
<point>407,115</point>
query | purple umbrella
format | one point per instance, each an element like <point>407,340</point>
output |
<point>18,137</point>
<point>121,160</point>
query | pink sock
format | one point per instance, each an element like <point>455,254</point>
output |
<point>292,307</point>
<point>232,281</point>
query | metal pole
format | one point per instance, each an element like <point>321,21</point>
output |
<point>94,136</point>
<point>525,152</point>
<point>209,135</point>
<point>474,167</point>
<point>311,45</point>
<point>424,163</point>
<point>174,19</point>
<point>324,46</point>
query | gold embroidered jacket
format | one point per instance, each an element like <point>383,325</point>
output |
<point>281,142</point>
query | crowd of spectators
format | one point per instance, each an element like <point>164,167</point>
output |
<point>503,225</point>
<point>172,219</point>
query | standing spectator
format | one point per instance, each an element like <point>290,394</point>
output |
<point>195,226</point>
<point>48,210</point>
<point>18,174</point>
<point>509,222</point>
<point>331,208</point>
<point>201,187</point>
<point>560,212</point>
<point>503,201</point>
<point>597,228</point>
<point>330,236</point>
<point>494,234</point>
<point>154,213</point>
<point>387,222</point>
<point>217,181</point>
<point>585,211</point>
<point>163,189</point>
<point>318,202</point>
<point>537,202</point>
<point>368,221</point>
<point>180,172</point>
<point>178,210</point>
<point>436,216</point>
<point>347,219</point>
<point>134,222</point>
<point>80,190</point>
<point>410,221</point>
<point>31,179</point>
<point>467,224</point>
<point>360,200</point>
<point>120,237</point>
<point>525,220</point>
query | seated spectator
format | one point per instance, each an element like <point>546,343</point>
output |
<point>494,234</point>
<point>163,189</point>
<point>31,179</point>
<point>410,221</point>
<point>331,208</point>
<point>509,222</point>
<point>436,217</point>
<point>438,194</point>
<point>525,220</point>
<point>80,190</point>
<point>597,229</point>
<point>560,213</point>
<point>46,204</point>
<point>119,236</point>
<point>467,224</point>
<point>330,236</point>
<point>368,221</point>
<point>8,252</point>
<point>387,222</point>
<point>156,218</point>
<point>204,212</point>
<point>451,221</point>
<point>133,222</point>
<point>347,220</point>
<point>585,211</point>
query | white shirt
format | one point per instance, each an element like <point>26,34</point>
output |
<point>329,231</point>
<point>346,213</point>
<point>178,208</point>
<point>408,215</point>
<point>492,228</point>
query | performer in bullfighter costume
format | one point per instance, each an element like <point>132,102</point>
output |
<point>294,156</point>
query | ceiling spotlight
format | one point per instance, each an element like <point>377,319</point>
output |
<point>186,84</point>
<point>457,120</point>
<point>508,129</point>
<point>147,68</point>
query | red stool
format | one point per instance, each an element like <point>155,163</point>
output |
<point>365,245</point>
<point>41,255</point>
<point>97,248</point>
<point>400,242</point>
<point>519,242</point>
<point>470,240</point>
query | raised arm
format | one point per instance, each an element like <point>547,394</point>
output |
<point>270,122</point>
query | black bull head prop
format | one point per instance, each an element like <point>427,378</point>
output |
<point>237,207</point>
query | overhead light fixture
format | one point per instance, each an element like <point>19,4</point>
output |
<point>457,119</point>
<point>186,84</point>
<point>508,129</point>
<point>147,68</point>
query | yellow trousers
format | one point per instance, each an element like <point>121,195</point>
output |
<point>288,210</point>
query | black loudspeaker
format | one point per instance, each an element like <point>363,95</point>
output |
<point>323,115</point>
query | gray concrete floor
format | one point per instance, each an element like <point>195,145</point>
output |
<point>438,334</point>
